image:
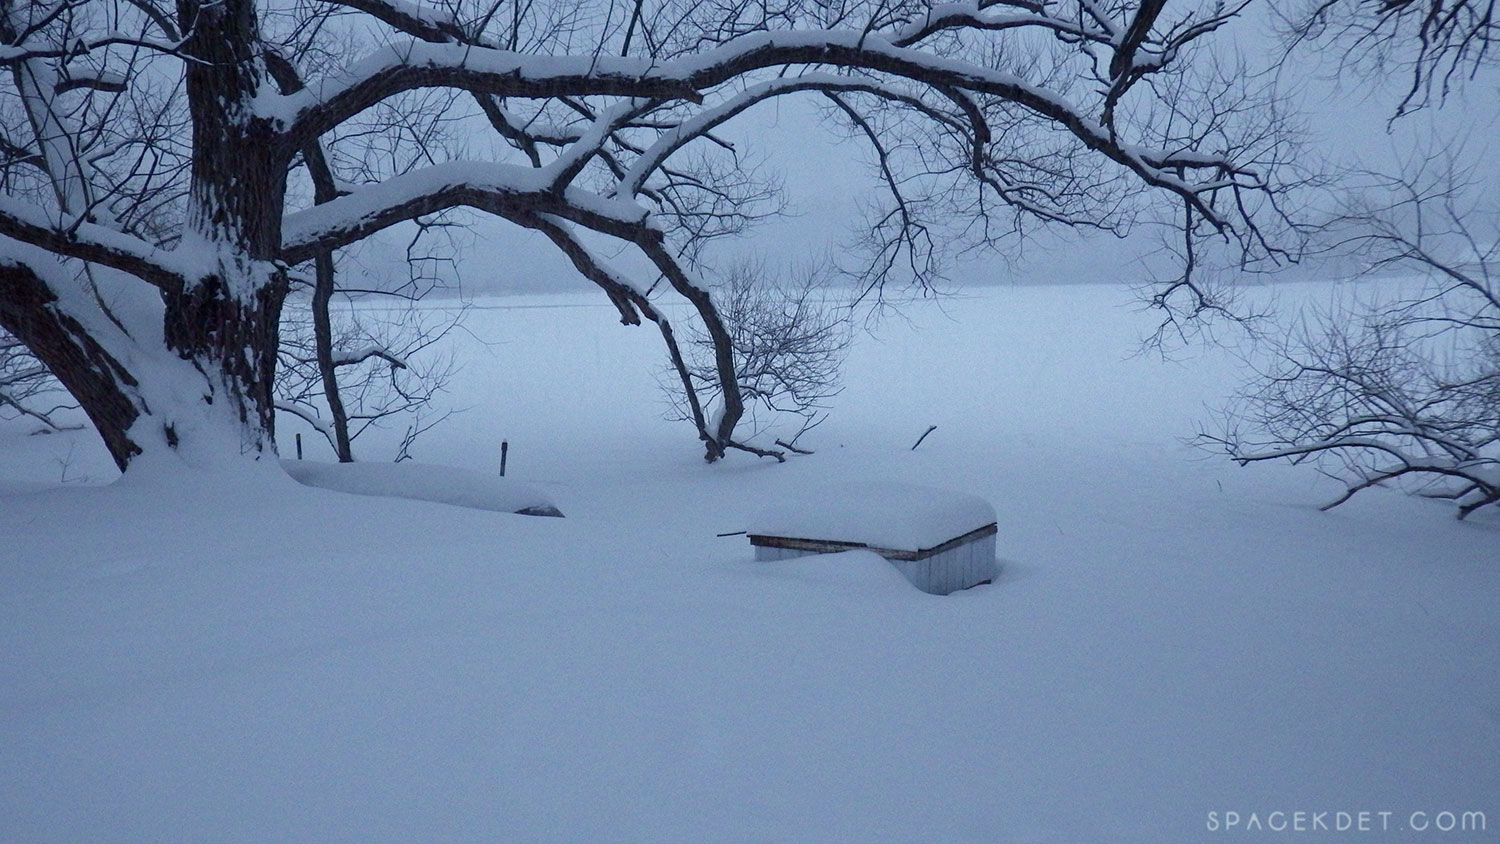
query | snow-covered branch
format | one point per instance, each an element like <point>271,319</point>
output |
<point>92,243</point>
<point>358,356</point>
<point>404,67</point>
<point>503,190</point>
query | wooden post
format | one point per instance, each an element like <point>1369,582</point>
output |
<point>504,447</point>
<point>929,430</point>
<point>299,446</point>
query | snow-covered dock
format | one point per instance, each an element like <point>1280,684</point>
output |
<point>941,541</point>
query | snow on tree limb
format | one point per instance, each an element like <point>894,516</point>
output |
<point>398,68</point>
<point>421,20</point>
<point>418,64</point>
<point>501,189</point>
<point>359,356</point>
<point>522,187</point>
<point>93,243</point>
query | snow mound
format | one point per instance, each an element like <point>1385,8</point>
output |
<point>425,482</point>
<point>880,515</point>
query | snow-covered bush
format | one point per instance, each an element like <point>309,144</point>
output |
<point>1402,390</point>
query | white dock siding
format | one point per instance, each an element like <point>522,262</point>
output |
<point>966,561</point>
<point>940,541</point>
<point>959,567</point>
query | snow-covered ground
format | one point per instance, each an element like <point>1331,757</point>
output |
<point>1171,639</point>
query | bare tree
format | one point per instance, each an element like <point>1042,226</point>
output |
<point>27,389</point>
<point>789,333</point>
<point>342,373</point>
<point>389,364</point>
<point>1436,44</point>
<point>1401,391</point>
<point>171,346</point>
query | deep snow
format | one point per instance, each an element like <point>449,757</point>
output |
<point>424,482</point>
<point>1170,636</point>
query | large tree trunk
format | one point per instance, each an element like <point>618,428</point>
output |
<point>231,337</point>
<point>189,367</point>
<point>226,321</point>
<point>189,378</point>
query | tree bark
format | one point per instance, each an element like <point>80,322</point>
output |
<point>101,385</point>
<point>323,285</point>
<point>226,321</point>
